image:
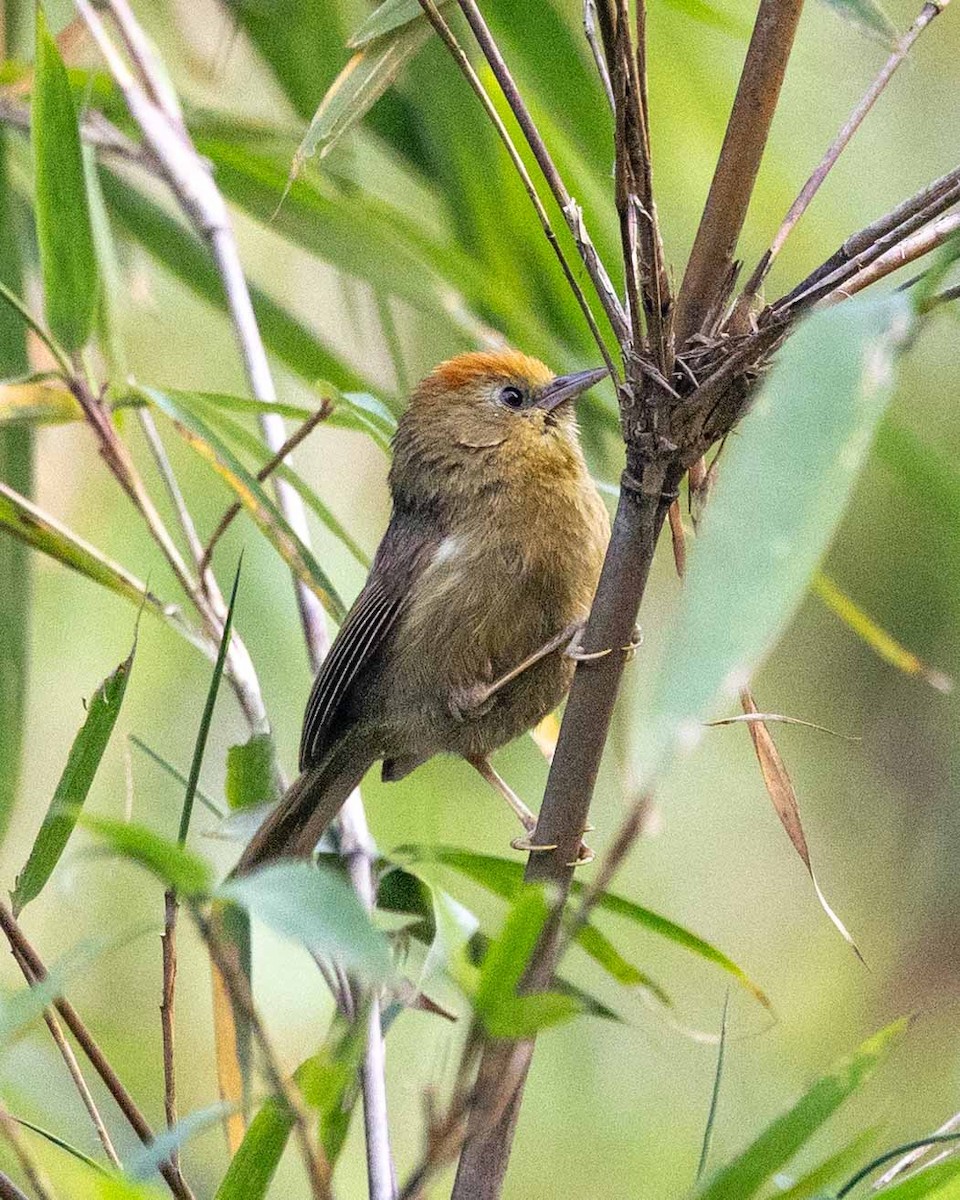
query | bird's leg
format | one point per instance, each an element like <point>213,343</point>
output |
<point>527,818</point>
<point>469,701</point>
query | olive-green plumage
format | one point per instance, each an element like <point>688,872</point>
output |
<point>494,548</point>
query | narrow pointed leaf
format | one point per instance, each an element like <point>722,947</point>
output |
<point>875,636</point>
<point>71,791</point>
<point>67,257</point>
<point>867,16</point>
<point>176,867</point>
<point>61,1143</point>
<point>16,469</point>
<point>146,1163</point>
<point>813,1183</point>
<point>233,1034</point>
<point>359,85</point>
<point>783,796</point>
<point>780,1141</point>
<point>504,878</point>
<point>201,438</point>
<point>172,771</point>
<point>43,532</point>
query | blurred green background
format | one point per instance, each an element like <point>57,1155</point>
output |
<point>611,1109</point>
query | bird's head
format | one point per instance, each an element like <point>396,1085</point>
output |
<point>489,415</point>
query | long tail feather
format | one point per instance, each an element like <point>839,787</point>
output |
<point>311,802</point>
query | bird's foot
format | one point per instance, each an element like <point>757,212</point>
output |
<point>579,655</point>
<point>528,846</point>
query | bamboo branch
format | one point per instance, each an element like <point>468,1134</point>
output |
<point>9,1190</point>
<point>909,250</point>
<point>73,1067</point>
<point>644,502</point>
<point>27,955</point>
<point>572,213</point>
<point>318,1169</point>
<point>11,1131</point>
<point>736,172</point>
<point>456,50</point>
<point>168,943</point>
<point>930,10</point>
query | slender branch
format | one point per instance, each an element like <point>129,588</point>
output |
<point>590,30</point>
<point>9,1190</point>
<point>11,1131</point>
<point>456,50</point>
<point>568,206</point>
<point>299,434</point>
<point>28,957</point>
<point>70,1059</point>
<point>318,1169</point>
<point>165,467</point>
<point>644,502</point>
<point>192,184</point>
<point>908,216</point>
<point>168,942</point>
<point>912,248</point>
<point>930,10</point>
<point>95,129</point>
<point>921,1151</point>
<point>738,164</point>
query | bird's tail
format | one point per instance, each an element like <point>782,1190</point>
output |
<point>311,802</point>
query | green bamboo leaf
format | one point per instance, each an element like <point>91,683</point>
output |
<point>792,467</point>
<point>43,532</point>
<point>172,771</point>
<point>317,907</point>
<point>867,16</point>
<point>385,19</point>
<point>927,475</point>
<point>780,1141</point>
<point>61,1143</point>
<point>201,438</point>
<point>334,226</point>
<point>67,256</point>
<point>16,468</point>
<point>368,74</point>
<point>252,772</point>
<point>325,1080</point>
<point>147,1162</point>
<point>941,1181</point>
<point>206,718</point>
<point>176,867</point>
<point>504,877</point>
<point>504,1012</point>
<point>71,791</point>
<point>187,259</point>
<point>812,1184</point>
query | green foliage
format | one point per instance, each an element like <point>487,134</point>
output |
<point>188,874</point>
<point>778,1143</point>
<point>252,772</point>
<point>800,448</point>
<point>84,759</point>
<point>316,907</point>
<point>64,233</point>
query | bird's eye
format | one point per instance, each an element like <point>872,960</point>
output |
<point>512,397</point>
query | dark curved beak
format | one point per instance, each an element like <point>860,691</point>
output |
<point>567,387</point>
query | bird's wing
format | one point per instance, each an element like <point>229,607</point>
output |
<point>405,550</point>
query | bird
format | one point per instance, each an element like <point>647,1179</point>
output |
<point>465,634</point>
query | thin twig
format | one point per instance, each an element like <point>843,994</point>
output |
<point>70,1059</point>
<point>908,216</point>
<point>299,434</point>
<point>913,1156</point>
<point>27,955</point>
<point>572,212</point>
<point>11,1131</point>
<point>456,50</point>
<point>168,943</point>
<point>9,1190</point>
<point>912,248</point>
<point>590,30</point>
<point>903,46</point>
<point>736,171</point>
<point>318,1169</point>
